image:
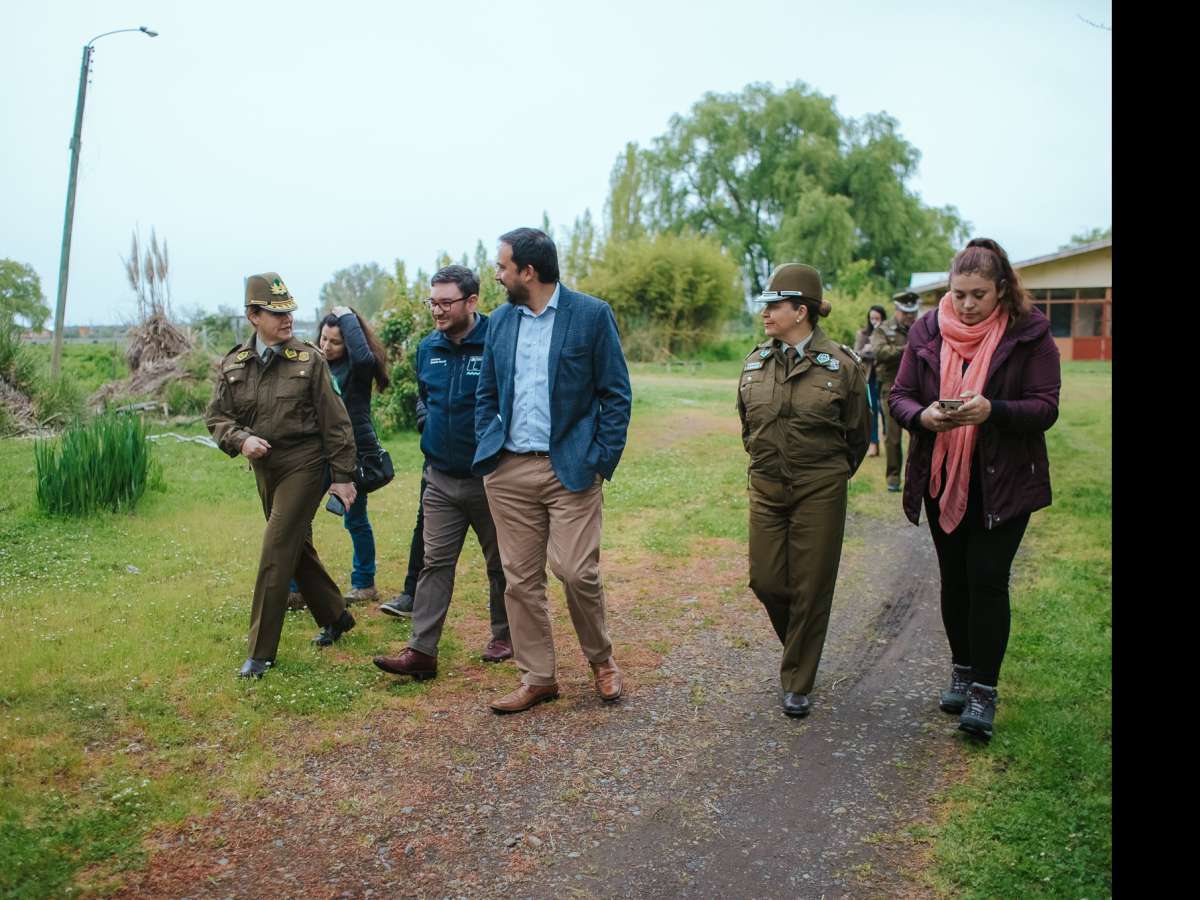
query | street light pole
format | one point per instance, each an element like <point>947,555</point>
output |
<point>60,307</point>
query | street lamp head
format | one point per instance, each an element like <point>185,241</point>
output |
<point>148,31</point>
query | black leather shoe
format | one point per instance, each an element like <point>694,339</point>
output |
<point>330,634</point>
<point>796,705</point>
<point>254,668</point>
<point>400,607</point>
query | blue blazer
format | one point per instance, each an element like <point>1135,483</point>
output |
<point>590,397</point>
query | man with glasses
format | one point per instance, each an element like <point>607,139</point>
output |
<point>448,366</point>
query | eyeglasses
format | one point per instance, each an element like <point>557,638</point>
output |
<point>442,305</point>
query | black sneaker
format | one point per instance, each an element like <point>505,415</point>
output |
<point>954,698</point>
<point>331,634</point>
<point>980,711</point>
<point>401,606</point>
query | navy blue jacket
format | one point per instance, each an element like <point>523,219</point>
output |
<point>590,396</point>
<point>447,375</point>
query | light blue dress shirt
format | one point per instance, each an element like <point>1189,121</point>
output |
<point>530,427</point>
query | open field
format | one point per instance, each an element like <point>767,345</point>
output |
<point>123,726</point>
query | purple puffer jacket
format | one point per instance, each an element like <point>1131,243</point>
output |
<point>1022,385</point>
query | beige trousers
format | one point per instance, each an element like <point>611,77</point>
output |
<point>539,520</point>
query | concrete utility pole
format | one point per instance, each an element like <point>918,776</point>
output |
<point>60,308</point>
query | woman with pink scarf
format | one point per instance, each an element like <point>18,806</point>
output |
<point>979,469</point>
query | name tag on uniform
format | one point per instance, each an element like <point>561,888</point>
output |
<point>753,365</point>
<point>437,360</point>
<point>474,365</point>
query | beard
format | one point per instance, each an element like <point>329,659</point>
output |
<point>517,294</point>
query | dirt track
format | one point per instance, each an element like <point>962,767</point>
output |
<point>695,785</point>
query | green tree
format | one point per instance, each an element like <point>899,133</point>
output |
<point>366,288</point>
<point>21,295</point>
<point>779,175</point>
<point>1088,237</point>
<point>577,256</point>
<point>670,293</point>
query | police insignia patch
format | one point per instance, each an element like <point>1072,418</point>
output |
<point>764,353</point>
<point>833,365</point>
<point>303,357</point>
<point>753,365</point>
<point>278,288</point>
<point>245,354</point>
<point>290,353</point>
<point>822,358</point>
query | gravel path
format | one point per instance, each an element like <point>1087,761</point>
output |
<point>695,785</point>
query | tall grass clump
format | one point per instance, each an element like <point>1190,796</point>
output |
<point>103,464</point>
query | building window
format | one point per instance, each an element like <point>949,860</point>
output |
<point>1091,320</point>
<point>1060,319</point>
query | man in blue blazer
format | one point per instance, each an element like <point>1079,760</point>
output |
<point>551,413</point>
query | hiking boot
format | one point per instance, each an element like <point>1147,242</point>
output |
<point>295,600</point>
<point>980,710</point>
<point>400,607</point>
<point>361,595</point>
<point>331,634</point>
<point>954,698</point>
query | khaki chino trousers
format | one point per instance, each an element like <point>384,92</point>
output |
<point>291,485</point>
<point>539,521</point>
<point>795,548</point>
<point>451,506</point>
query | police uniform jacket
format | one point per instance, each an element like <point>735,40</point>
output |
<point>447,375</point>
<point>288,402</point>
<point>887,342</point>
<point>811,421</point>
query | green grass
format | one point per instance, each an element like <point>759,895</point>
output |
<point>119,711</point>
<point>1034,816</point>
<point>86,365</point>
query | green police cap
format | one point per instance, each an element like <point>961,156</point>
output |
<point>795,281</point>
<point>906,301</point>
<point>267,291</point>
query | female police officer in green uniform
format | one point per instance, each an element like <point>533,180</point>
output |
<point>276,405</point>
<point>805,423</point>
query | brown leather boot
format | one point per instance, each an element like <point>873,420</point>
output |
<point>525,696</point>
<point>421,666</point>
<point>608,680</point>
<point>497,650</point>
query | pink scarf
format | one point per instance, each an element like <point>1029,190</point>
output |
<point>975,344</point>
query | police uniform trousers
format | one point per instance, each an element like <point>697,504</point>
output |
<point>539,520</point>
<point>895,456</point>
<point>451,506</point>
<point>795,548</point>
<point>291,484</point>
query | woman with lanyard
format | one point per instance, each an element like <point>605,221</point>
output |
<point>977,388</point>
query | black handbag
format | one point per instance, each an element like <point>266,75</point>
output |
<point>374,470</point>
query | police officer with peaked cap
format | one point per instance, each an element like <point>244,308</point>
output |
<point>276,404</point>
<point>802,400</point>
<point>888,341</point>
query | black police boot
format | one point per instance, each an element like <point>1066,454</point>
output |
<point>254,668</point>
<point>954,698</point>
<point>980,710</point>
<point>330,634</point>
<point>796,705</point>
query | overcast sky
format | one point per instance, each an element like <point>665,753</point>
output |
<point>305,136</point>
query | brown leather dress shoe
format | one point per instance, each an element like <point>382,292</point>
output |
<point>420,666</point>
<point>525,696</point>
<point>497,650</point>
<point>608,680</point>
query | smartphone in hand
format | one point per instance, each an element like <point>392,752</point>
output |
<point>335,505</point>
<point>947,405</point>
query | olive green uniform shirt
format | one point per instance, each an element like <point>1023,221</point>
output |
<point>888,340</point>
<point>813,420</point>
<point>287,402</point>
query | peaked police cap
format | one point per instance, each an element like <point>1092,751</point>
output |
<point>792,281</point>
<point>267,291</point>
<point>906,301</point>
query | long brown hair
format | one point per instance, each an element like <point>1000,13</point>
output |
<point>376,345</point>
<point>986,258</point>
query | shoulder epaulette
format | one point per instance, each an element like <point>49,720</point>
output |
<point>852,354</point>
<point>315,347</point>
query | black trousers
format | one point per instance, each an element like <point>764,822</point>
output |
<point>975,564</point>
<point>416,550</point>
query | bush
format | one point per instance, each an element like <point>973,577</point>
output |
<point>402,325</point>
<point>103,464</point>
<point>17,365</point>
<point>58,401</point>
<point>671,294</point>
<point>187,398</point>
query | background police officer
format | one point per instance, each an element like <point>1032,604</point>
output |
<point>888,342</point>
<point>276,404</point>
<point>805,423</point>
